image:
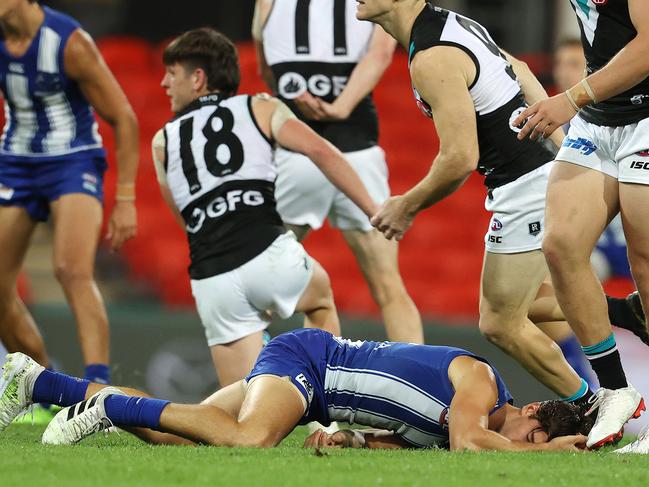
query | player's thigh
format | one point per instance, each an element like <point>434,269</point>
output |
<point>372,170</point>
<point>376,255</point>
<point>77,224</point>
<point>304,195</point>
<point>272,408</point>
<point>276,279</point>
<point>580,204</point>
<point>228,398</point>
<point>633,154</point>
<point>16,228</point>
<point>634,208</point>
<point>545,308</point>
<point>510,282</point>
<point>234,360</point>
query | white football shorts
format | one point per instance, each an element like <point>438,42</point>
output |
<point>238,303</point>
<point>518,213</point>
<point>306,197</point>
<point>620,152</point>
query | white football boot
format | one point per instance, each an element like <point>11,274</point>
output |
<point>615,408</point>
<point>74,423</point>
<point>19,375</point>
<point>641,445</point>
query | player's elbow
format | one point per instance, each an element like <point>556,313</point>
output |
<point>465,442</point>
<point>462,161</point>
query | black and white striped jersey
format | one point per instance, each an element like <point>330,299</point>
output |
<point>606,28</point>
<point>314,45</point>
<point>220,170</point>
<point>496,94</point>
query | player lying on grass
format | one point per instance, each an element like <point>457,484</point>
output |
<point>417,395</point>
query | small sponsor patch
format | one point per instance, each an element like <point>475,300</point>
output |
<point>88,186</point>
<point>535,228</point>
<point>496,225</point>
<point>585,146</point>
<point>306,385</point>
<point>6,193</point>
<point>91,178</point>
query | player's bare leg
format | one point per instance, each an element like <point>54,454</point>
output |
<point>576,215</point>
<point>233,361</point>
<point>18,332</point>
<point>580,203</point>
<point>510,283</point>
<point>317,303</point>
<point>271,409</point>
<point>378,260</point>
<point>634,204</point>
<point>77,225</point>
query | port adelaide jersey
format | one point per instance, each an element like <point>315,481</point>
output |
<point>221,173</point>
<point>496,94</point>
<point>313,46</point>
<point>606,28</point>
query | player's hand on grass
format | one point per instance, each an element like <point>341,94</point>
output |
<point>122,225</point>
<point>394,218</point>
<point>339,439</point>
<point>544,117</point>
<point>574,443</point>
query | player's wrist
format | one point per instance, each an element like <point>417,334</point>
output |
<point>125,193</point>
<point>581,95</point>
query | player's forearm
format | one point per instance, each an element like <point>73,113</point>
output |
<point>629,67</point>
<point>445,177</point>
<point>337,170</point>
<point>263,68</point>
<point>127,146</point>
<point>486,440</point>
<point>363,80</point>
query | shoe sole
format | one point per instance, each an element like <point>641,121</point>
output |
<point>616,437</point>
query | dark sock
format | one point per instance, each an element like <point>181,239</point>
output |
<point>60,389</point>
<point>604,358</point>
<point>620,313</point>
<point>99,373</point>
<point>142,412</point>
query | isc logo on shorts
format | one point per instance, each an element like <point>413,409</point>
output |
<point>223,204</point>
<point>495,239</point>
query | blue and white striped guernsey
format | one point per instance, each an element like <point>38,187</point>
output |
<point>394,386</point>
<point>46,113</point>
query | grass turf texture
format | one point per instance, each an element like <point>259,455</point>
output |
<point>123,460</point>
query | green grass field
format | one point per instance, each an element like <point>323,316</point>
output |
<point>123,460</point>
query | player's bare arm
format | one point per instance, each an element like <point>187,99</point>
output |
<point>476,393</point>
<point>84,64</point>
<point>262,10</point>
<point>626,69</point>
<point>159,161</point>
<point>277,121</point>
<point>442,76</point>
<point>532,89</point>
<point>365,76</point>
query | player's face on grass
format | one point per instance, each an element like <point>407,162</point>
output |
<point>524,427</point>
<point>179,86</point>
<point>370,9</point>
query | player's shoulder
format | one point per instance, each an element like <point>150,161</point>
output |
<point>60,21</point>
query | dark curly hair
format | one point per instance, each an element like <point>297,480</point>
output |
<point>211,51</point>
<point>559,418</point>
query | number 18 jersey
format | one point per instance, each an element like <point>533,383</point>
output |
<point>220,170</point>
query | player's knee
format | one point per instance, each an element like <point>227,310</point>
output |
<point>559,248</point>
<point>496,327</point>
<point>69,273</point>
